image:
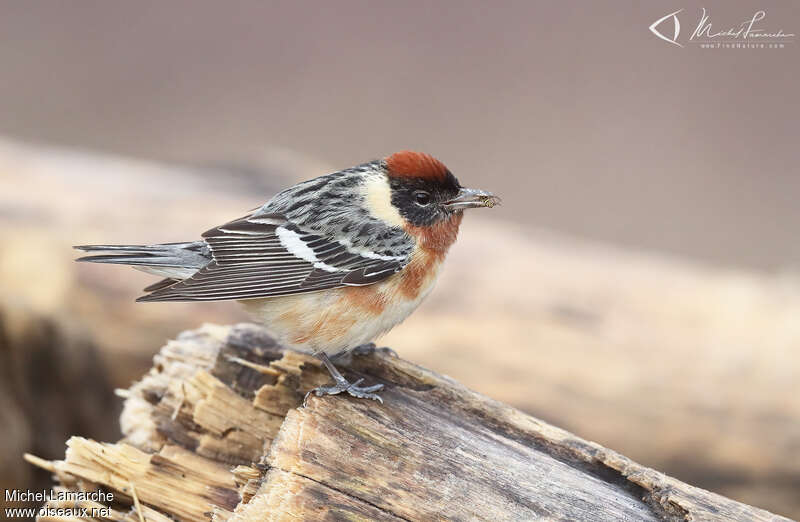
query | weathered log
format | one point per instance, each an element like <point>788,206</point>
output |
<point>216,431</point>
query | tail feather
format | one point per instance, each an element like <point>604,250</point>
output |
<point>124,248</point>
<point>136,259</point>
<point>171,260</point>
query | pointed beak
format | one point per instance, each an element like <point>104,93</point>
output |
<point>472,198</point>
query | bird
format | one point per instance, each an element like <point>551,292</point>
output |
<point>327,265</point>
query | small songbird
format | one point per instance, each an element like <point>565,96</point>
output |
<point>327,265</point>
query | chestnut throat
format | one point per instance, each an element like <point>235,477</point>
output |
<point>437,238</point>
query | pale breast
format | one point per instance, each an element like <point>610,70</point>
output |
<point>339,319</point>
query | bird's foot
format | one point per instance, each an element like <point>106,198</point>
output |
<point>343,385</point>
<point>370,348</point>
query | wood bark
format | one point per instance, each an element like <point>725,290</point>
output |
<point>216,431</point>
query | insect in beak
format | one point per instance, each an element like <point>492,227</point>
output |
<point>472,198</point>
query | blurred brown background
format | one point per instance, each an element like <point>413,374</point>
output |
<point>593,130</point>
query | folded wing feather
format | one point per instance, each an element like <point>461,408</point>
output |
<point>266,256</point>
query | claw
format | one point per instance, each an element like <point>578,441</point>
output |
<point>343,385</point>
<point>353,389</point>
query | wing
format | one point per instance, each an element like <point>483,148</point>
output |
<point>266,255</point>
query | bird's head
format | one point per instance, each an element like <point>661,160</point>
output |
<point>426,193</point>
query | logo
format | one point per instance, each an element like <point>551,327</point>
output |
<point>749,34</point>
<point>676,24</point>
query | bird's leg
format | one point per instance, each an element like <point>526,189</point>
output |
<point>343,385</point>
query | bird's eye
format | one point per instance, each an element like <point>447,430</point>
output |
<point>422,198</point>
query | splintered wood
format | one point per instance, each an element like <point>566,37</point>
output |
<point>215,431</point>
